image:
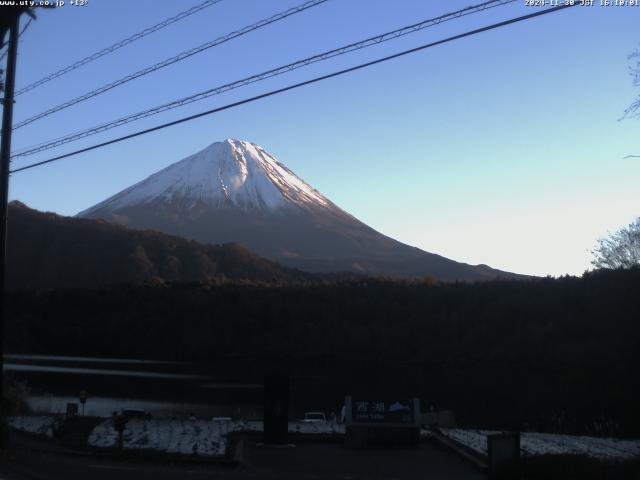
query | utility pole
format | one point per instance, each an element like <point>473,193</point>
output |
<point>5,154</point>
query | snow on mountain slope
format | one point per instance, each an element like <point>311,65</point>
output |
<point>226,173</point>
<point>234,191</point>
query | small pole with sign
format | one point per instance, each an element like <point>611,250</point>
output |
<point>83,399</point>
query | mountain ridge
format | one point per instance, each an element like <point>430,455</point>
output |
<point>234,191</point>
<point>47,250</point>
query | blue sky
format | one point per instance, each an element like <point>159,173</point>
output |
<point>504,148</point>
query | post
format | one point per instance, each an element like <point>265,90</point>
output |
<point>276,408</point>
<point>83,399</point>
<point>5,154</point>
<point>503,452</point>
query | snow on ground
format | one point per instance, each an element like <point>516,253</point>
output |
<point>201,437</point>
<point>600,448</point>
<point>532,443</point>
<point>41,425</point>
<point>209,438</point>
<point>476,440</point>
<point>324,428</point>
<point>104,435</point>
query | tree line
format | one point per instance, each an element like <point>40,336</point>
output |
<point>549,354</point>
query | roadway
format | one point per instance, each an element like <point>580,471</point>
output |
<point>304,462</point>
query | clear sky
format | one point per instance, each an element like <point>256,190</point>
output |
<point>504,148</point>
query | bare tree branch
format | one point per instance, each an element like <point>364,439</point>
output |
<point>620,250</point>
<point>633,110</point>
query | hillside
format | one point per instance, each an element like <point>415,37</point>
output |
<point>46,250</point>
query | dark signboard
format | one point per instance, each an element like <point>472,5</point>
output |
<point>72,409</point>
<point>396,411</point>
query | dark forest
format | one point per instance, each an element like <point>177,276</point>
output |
<point>548,354</point>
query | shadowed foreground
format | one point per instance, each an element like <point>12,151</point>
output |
<point>306,461</point>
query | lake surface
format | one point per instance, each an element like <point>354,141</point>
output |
<point>162,388</point>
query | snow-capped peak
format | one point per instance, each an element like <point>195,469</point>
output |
<point>229,173</point>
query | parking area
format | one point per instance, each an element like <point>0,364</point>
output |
<point>334,460</point>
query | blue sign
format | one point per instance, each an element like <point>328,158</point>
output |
<point>398,411</point>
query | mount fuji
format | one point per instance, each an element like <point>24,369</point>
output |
<point>235,192</point>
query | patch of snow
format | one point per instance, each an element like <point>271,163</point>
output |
<point>41,425</point>
<point>320,428</point>
<point>190,437</point>
<point>474,439</point>
<point>199,437</point>
<point>104,435</point>
<point>532,443</point>
<point>594,447</point>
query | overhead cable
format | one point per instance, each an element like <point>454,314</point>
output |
<point>371,41</point>
<point>170,61</point>
<point>298,85</point>
<point>118,45</point>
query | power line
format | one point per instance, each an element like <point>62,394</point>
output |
<point>262,76</point>
<point>371,41</point>
<point>4,54</point>
<point>301,84</point>
<point>172,60</point>
<point>118,45</point>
